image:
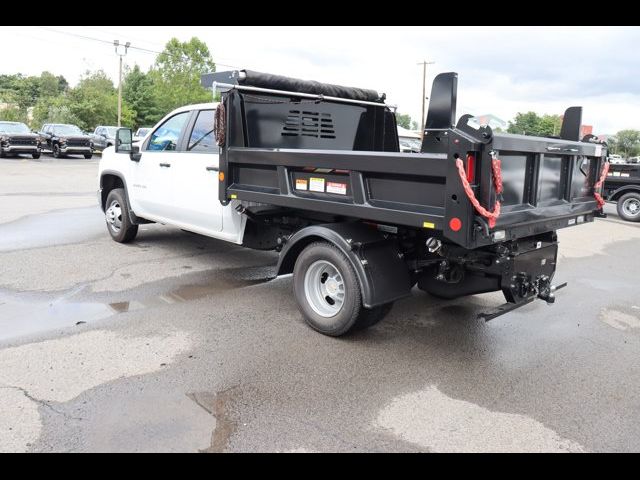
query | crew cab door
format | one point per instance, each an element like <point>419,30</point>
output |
<point>150,191</point>
<point>194,174</point>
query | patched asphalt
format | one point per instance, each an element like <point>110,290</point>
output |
<point>183,343</point>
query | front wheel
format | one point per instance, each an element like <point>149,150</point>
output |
<point>118,222</point>
<point>56,151</point>
<point>629,207</point>
<point>35,156</point>
<point>328,293</point>
<point>88,156</point>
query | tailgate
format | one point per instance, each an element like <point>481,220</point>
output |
<point>548,184</point>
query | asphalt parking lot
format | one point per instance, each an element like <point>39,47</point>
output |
<point>178,342</point>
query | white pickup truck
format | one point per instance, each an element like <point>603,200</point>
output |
<point>174,181</point>
<point>315,172</point>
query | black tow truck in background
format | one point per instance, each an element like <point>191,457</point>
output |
<point>622,186</point>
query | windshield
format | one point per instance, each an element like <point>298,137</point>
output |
<point>14,128</point>
<point>142,132</point>
<point>111,131</point>
<point>67,130</point>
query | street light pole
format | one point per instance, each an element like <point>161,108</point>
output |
<point>424,64</point>
<point>116,43</point>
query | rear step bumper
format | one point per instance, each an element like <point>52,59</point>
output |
<point>510,307</point>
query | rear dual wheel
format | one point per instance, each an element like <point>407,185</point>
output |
<point>328,293</point>
<point>629,207</point>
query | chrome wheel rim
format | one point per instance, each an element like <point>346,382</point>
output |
<point>324,288</point>
<point>631,207</point>
<point>114,216</point>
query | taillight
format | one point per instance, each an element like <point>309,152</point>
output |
<point>471,167</point>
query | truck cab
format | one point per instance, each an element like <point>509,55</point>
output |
<point>173,179</point>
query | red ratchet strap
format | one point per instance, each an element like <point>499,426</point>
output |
<point>598,185</point>
<point>496,169</point>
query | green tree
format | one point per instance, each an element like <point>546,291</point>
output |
<point>94,101</point>
<point>531,123</point>
<point>50,85</point>
<point>176,74</point>
<point>138,92</point>
<point>12,114</point>
<point>404,120</point>
<point>625,143</point>
<point>52,110</point>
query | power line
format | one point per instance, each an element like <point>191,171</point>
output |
<point>141,49</point>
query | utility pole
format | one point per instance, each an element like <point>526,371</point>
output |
<point>116,43</point>
<point>424,64</point>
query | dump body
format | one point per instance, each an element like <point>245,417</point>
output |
<point>341,157</point>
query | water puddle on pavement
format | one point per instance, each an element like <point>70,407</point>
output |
<point>22,315</point>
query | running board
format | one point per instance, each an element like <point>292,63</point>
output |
<point>510,307</point>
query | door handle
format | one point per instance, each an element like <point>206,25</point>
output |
<point>165,165</point>
<point>212,169</point>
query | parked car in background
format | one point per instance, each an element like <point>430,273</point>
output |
<point>103,137</point>
<point>409,141</point>
<point>64,139</point>
<point>140,134</point>
<point>633,160</point>
<point>615,159</point>
<point>16,139</point>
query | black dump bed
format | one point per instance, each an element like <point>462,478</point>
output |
<point>293,143</point>
<point>621,179</point>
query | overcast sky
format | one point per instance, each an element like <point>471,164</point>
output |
<point>502,70</point>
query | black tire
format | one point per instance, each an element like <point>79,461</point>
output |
<point>3,155</point>
<point>625,206</point>
<point>118,223</point>
<point>35,156</point>
<point>56,151</point>
<point>88,156</point>
<point>371,316</point>
<point>351,315</point>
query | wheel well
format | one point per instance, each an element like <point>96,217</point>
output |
<point>619,193</point>
<point>107,183</point>
<point>289,261</point>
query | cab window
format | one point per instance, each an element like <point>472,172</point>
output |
<point>203,137</point>
<point>166,136</point>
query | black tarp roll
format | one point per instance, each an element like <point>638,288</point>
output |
<point>278,82</point>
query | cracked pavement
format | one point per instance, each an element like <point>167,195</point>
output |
<point>179,343</point>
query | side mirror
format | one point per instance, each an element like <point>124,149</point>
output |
<point>135,154</point>
<point>124,141</point>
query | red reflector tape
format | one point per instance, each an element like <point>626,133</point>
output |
<point>471,168</point>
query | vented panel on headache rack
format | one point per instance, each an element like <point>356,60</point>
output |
<point>282,122</point>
